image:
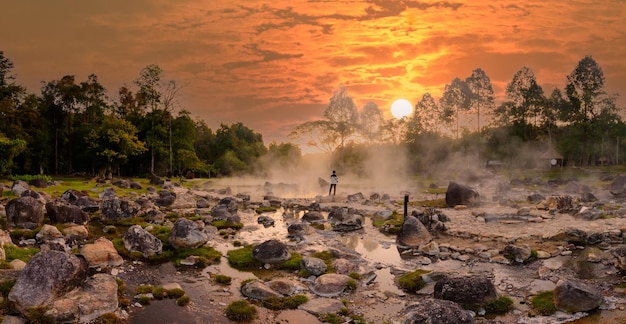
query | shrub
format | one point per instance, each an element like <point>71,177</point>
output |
<point>144,300</point>
<point>412,281</point>
<point>159,292</point>
<point>279,303</point>
<point>143,289</point>
<point>499,306</point>
<point>240,310</point>
<point>222,279</point>
<point>543,302</point>
<point>175,293</point>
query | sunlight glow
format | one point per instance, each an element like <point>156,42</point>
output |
<point>401,108</point>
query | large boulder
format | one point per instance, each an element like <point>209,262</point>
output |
<point>72,195</point>
<point>458,194</point>
<point>136,239</point>
<point>620,258</point>
<point>343,220</point>
<point>469,291</point>
<point>19,186</point>
<point>62,213</point>
<point>187,234</point>
<point>314,217</point>
<point>115,209</point>
<point>575,296</point>
<point>258,290</point>
<point>436,311</point>
<point>95,298</point>
<point>271,252</point>
<point>166,198</point>
<point>24,212</point>
<point>412,233</point>
<point>48,276</point>
<point>314,266</point>
<point>618,186</point>
<point>330,284</point>
<point>101,253</point>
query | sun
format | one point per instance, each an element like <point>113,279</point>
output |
<point>401,108</point>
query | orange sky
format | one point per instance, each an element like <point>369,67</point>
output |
<point>275,64</point>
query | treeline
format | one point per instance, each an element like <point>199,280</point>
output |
<point>73,127</point>
<point>581,122</point>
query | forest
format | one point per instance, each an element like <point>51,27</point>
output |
<point>75,128</point>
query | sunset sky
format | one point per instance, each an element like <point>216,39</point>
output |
<point>275,64</point>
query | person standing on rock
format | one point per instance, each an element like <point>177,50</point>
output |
<point>333,183</point>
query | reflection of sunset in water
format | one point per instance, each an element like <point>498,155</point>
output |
<point>274,65</point>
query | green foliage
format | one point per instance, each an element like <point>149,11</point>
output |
<point>5,287</point>
<point>331,318</point>
<point>265,209</point>
<point>412,281</point>
<point>292,264</point>
<point>391,225</point>
<point>327,256</point>
<point>37,315</point>
<point>222,279</point>
<point>207,254</point>
<point>499,306</point>
<point>19,234</point>
<point>144,289</point>
<point>183,300</point>
<point>280,303</point>
<point>9,149</point>
<point>240,311</point>
<point>351,285</point>
<point>159,292</point>
<point>15,252</point>
<point>144,300</point>
<point>121,287</point>
<point>175,293</point>
<point>355,275</point>
<point>222,224</point>
<point>543,302</point>
<point>242,258</point>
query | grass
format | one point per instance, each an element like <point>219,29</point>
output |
<point>499,306</point>
<point>265,209</point>
<point>543,303</point>
<point>240,311</point>
<point>327,256</point>
<point>242,259</point>
<point>391,225</point>
<point>183,301</point>
<point>280,303</point>
<point>223,224</point>
<point>292,264</point>
<point>222,279</point>
<point>14,252</point>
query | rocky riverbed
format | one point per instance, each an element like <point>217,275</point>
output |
<point>521,237</point>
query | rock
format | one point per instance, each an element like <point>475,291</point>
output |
<point>355,197</point>
<point>285,287</point>
<point>435,311</point>
<point>156,180</point>
<point>48,233</point>
<point>564,204</point>
<point>468,291</point>
<point>266,221</point>
<point>115,209</point>
<point>154,215</point>
<point>187,234</point>
<point>570,235</point>
<point>314,217</point>
<point>575,296</point>
<point>330,284</point>
<point>258,290</point>
<point>121,183</point>
<point>297,230</point>
<point>72,195</point>
<point>344,266</point>
<point>202,203</point>
<point>314,266</point>
<point>271,252</point>
<point>96,297</point>
<point>320,306</point>
<point>458,194</point>
<point>136,239</point>
<point>519,254</point>
<point>18,187</point>
<point>620,257</point>
<point>166,198</point>
<point>535,198</point>
<point>88,204</point>
<point>24,212</point>
<point>618,185</point>
<point>101,253</point>
<point>48,275</point>
<point>345,221</point>
<point>413,233</point>
<point>61,213</point>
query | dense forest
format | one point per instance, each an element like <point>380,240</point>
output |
<point>74,127</point>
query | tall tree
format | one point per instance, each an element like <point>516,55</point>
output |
<point>426,118</point>
<point>339,124</point>
<point>481,93</point>
<point>590,107</point>
<point>371,122</point>
<point>150,97</point>
<point>456,97</point>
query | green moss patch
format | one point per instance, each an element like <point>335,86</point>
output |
<point>242,258</point>
<point>240,311</point>
<point>412,281</point>
<point>543,303</point>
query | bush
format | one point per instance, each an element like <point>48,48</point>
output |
<point>175,293</point>
<point>222,279</point>
<point>240,310</point>
<point>499,306</point>
<point>544,303</point>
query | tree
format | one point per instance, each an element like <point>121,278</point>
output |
<point>424,119</point>
<point>8,150</point>
<point>481,92</point>
<point>339,123</point>
<point>590,107</point>
<point>150,96</point>
<point>456,96</point>
<point>371,122</point>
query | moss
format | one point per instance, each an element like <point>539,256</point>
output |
<point>237,243</point>
<point>355,275</point>
<point>240,311</point>
<point>222,279</point>
<point>222,224</point>
<point>19,234</point>
<point>175,293</point>
<point>143,289</point>
<point>436,203</point>
<point>6,286</point>
<point>183,301</point>
<point>121,287</point>
<point>391,225</point>
<point>544,302</point>
<point>265,209</point>
<point>499,306</point>
<point>209,254</point>
<point>280,303</point>
<point>351,285</point>
<point>331,318</point>
<point>144,300</point>
<point>243,283</point>
<point>242,258</point>
<point>292,264</point>
<point>159,292</point>
<point>107,318</point>
<point>327,256</point>
<point>412,281</point>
